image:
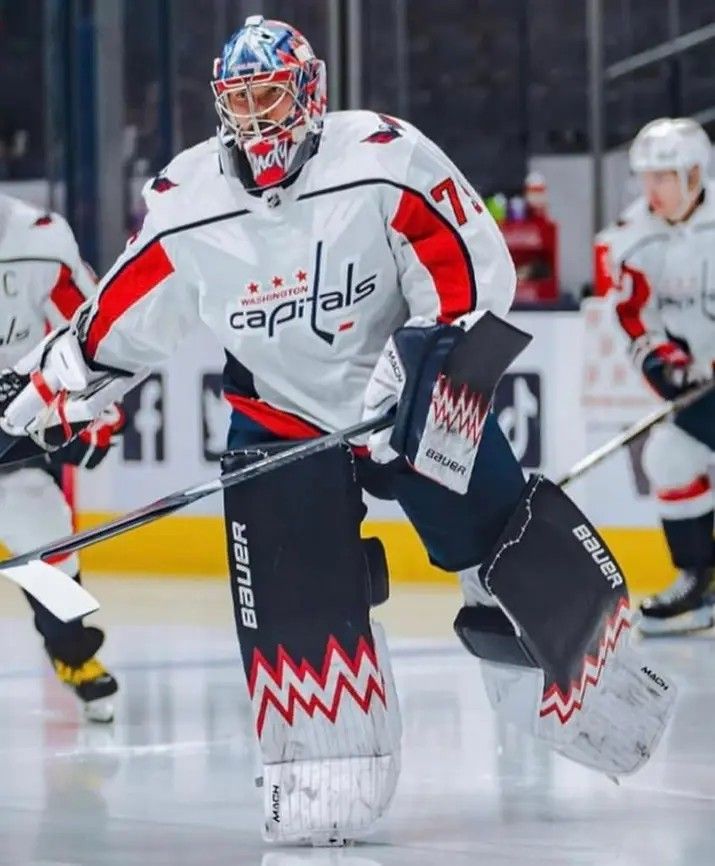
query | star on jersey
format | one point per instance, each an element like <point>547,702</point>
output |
<point>284,302</point>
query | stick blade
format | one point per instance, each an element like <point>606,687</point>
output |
<point>61,595</point>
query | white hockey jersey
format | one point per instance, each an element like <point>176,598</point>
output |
<point>303,285</point>
<point>42,277</point>
<point>665,278</point>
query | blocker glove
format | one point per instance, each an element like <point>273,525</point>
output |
<point>440,382</point>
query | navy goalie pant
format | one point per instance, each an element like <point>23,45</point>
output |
<point>457,531</point>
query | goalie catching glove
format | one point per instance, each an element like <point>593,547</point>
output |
<point>93,442</point>
<point>427,373</point>
<point>53,398</point>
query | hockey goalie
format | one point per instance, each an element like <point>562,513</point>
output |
<point>349,269</point>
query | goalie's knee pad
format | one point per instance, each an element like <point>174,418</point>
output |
<point>560,587</point>
<point>318,674</point>
<point>556,662</point>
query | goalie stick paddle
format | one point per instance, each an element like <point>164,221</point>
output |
<point>55,590</point>
<point>634,431</point>
<point>175,501</point>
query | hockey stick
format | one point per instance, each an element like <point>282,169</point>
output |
<point>504,341</point>
<point>635,430</point>
<point>68,600</point>
<point>175,501</point>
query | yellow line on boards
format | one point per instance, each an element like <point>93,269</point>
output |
<point>194,546</point>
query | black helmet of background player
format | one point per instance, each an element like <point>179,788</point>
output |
<point>271,97</point>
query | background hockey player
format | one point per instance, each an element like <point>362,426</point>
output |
<point>349,269</point>
<point>43,281</point>
<point>663,256</point>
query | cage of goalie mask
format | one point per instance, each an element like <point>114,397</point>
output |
<point>270,95</point>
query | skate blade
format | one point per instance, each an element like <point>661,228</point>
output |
<point>683,623</point>
<point>100,711</point>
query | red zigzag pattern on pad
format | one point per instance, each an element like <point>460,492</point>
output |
<point>288,685</point>
<point>565,705</point>
<point>458,409</point>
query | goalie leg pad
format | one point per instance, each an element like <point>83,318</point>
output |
<point>561,588</point>
<point>326,716</point>
<point>557,581</point>
<point>619,724</point>
<point>312,793</point>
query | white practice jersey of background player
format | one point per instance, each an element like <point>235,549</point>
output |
<point>662,257</point>
<point>43,278</point>
<point>666,274</point>
<point>42,282</point>
<point>302,285</point>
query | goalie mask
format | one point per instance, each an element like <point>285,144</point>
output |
<point>270,96</point>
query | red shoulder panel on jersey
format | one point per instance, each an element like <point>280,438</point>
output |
<point>441,250</point>
<point>128,286</point>
<point>629,310</point>
<point>65,295</point>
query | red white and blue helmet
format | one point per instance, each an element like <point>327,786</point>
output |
<point>269,53</point>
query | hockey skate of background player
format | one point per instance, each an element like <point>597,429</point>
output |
<point>661,255</point>
<point>348,267</point>
<point>43,282</point>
